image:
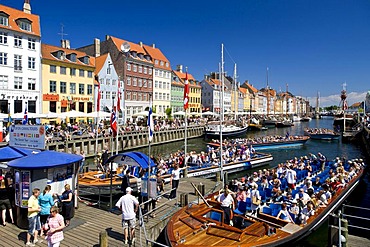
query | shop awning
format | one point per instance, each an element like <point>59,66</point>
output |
<point>10,153</point>
<point>131,159</point>
<point>45,159</point>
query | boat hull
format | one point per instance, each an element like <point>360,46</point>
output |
<point>327,137</point>
<point>216,133</point>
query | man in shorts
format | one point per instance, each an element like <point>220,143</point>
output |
<point>34,225</point>
<point>129,205</point>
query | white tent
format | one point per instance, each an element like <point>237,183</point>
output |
<point>209,113</point>
<point>73,114</point>
<point>3,115</point>
<point>52,115</point>
<point>195,114</point>
<point>144,114</point>
<point>100,114</point>
<point>20,115</point>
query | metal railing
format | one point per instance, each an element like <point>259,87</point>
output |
<point>350,216</point>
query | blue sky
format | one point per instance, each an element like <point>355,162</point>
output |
<point>311,45</point>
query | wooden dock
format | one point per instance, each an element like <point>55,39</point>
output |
<point>89,222</point>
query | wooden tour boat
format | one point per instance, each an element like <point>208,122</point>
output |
<point>292,141</point>
<point>322,134</point>
<point>202,224</point>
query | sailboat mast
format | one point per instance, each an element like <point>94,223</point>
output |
<point>268,91</point>
<point>222,114</point>
<point>235,93</point>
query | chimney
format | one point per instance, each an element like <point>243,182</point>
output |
<point>107,37</point>
<point>97,47</point>
<point>65,44</point>
<point>27,7</point>
<point>141,43</point>
<point>179,68</point>
<point>153,45</point>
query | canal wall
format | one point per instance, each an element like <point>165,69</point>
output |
<point>127,141</point>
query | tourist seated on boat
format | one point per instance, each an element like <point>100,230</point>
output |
<point>302,198</point>
<point>307,212</point>
<point>264,183</point>
<point>278,197</point>
<point>255,177</point>
<point>294,209</point>
<point>241,195</point>
<point>307,185</point>
<point>284,214</point>
<point>316,184</point>
<point>251,183</point>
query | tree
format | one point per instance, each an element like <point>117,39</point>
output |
<point>168,112</point>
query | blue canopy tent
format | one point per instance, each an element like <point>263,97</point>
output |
<point>132,159</point>
<point>10,153</point>
<point>45,159</point>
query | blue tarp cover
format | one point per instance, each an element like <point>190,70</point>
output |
<point>45,159</point>
<point>10,153</point>
<point>125,158</point>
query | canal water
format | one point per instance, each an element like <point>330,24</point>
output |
<point>331,149</point>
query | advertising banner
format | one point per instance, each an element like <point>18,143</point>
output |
<point>27,136</point>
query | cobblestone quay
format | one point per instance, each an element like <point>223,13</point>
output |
<point>131,140</point>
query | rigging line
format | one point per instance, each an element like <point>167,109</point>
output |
<point>229,55</point>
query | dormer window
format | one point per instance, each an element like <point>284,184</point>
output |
<point>4,19</point>
<point>156,62</point>
<point>72,57</point>
<point>162,63</point>
<point>24,24</point>
<point>84,59</point>
<point>134,53</point>
<point>59,54</point>
<point>141,55</point>
<point>147,57</point>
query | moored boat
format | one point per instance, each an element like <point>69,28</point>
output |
<point>283,124</point>
<point>203,224</point>
<point>214,130</point>
<point>322,134</point>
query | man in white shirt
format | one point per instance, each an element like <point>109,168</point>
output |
<point>129,206</point>
<point>291,177</point>
<point>227,201</point>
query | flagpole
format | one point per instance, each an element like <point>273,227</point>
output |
<point>111,139</point>
<point>97,121</point>
<point>118,107</point>
<point>150,139</point>
<point>186,106</point>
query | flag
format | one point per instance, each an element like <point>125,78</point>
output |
<point>98,99</point>
<point>186,92</point>
<point>25,117</point>
<point>113,121</point>
<point>150,122</point>
<point>118,97</point>
<point>9,118</point>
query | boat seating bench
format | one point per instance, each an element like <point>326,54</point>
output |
<point>257,229</point>
<point>225,232</point>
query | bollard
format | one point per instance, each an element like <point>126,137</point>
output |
<point>103,239</point>
<point>344,228</point>
<point>185,173</point>
<point>184,199</point>
<point>201,189</point>
<point>218,176</point>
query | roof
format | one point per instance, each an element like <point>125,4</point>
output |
<point>47,50</point>
<point>45,159</point>
<point>157,54</point>
<point>182,77</point>
<point>133,47</point>
<point>243,90</point>
<point>99,62</point>
<point>251,88</point>
<point>10,153</point>
<point>15,14</point>
<point>132,159</point>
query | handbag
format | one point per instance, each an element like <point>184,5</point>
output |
<point>255,200</point>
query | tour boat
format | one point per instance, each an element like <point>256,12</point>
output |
<point>202,224</point>
<point>292,141</point>
<point>322,134</point>
<point>214,130</point>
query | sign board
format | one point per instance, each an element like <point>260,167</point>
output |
<point>27,136</point>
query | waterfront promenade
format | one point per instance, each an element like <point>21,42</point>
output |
<point>89,222</point>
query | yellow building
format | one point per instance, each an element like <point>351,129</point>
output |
<point>67,79</point>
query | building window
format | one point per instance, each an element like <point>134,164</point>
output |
<point>26,26</point>
<point>4,20</point>
<point>63,87</point>
<point>31,44</point>
<point>156,62</point>
<point>3,58</point>
<point>107,95</point>
<point>150,71</point>
<point>89,74</point>
<point>31,83</point>
<point>134,81</point>
<point>31,62</point>
<point>52,106</point>
<point>52,86</point>
<point>3,81</point>
<point>81,106</point>
<point>17,63</point>
<point>73,71</point>
<point>31,106</point>
<point>63,70</point>
<point>108,69</point>
<point>18,82</point>
<point>145,85</point>
<point>128,96</point>
<point>72,88</point>
<point>89,90</point>
<point>140,69</point>
<point>17,41</point>
<point>81,88</point>
<point>128,67</point>
<point>140,82</point>
<point>128,81</point>
<point>134,96</point>
<point>134,68</point>
<point>162,63</point>
<point>145,70</point>
<point>3,38</point>
<point>81,73</point>
<point>53,69</point>
<point>155,84</point>
<point>113,82</point>
<point>149,83</point>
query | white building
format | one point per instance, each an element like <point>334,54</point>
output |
<point>20,60</point>
<point>109,83</point>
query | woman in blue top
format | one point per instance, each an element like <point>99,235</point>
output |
<point>46,201</point>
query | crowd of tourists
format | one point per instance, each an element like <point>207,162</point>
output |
<point>294,190</point>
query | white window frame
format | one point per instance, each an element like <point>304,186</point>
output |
<point>18,81</point>
<point>31,84</point>
<point>31,62</point>
<point>3,58</point>
<point>31,44</point>
<point>4,81</point>
<point>3,38</point>
<point>18,41</point>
